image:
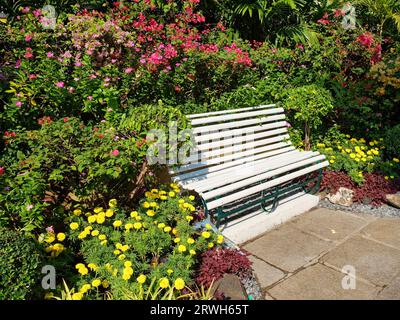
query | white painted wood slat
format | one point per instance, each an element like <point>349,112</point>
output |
<point>236,116</point>
<point>237,124</point>
<point>214,113</point>
<point>264,186</point>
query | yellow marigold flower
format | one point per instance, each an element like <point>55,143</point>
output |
<point>163,197</point>
<point>182,248</point>
<point>116,252</point>
<point>77,212</point>
<point>126,276</point>
<point>148,194</point>
<point>112,203</point>
<point>50,238</point>
<point>161,225</point>
<point>189,218</point>
<point>154,190</point>
<point>109,213</point>
<point>77,296</point>
<point>79,265</point>
<point>83,271</point>
<point>92,266</point>
<point>95,233</point>
<point>137,225</point>
<point>174,231</point>
<point>127,264</point>
<point>396,160</point>
<point>352,155</point>
<point>170,271</point>
<point>83,235</point>
<point>190,241</point>
<point>320,145</point>
<point>167,229</point>
<point>134,214</point>
<point>332,161</point>
<point>88,229</point>
<point>181,201</point>
<point>141,279</point>
<point>125,248</point>
<point>208,226</point>
<point>177,240</point>
<point>171,194</point>
<point>100,219</point>
<point>357,149</point>
<point>150,213</point>
<point>220,239</point>
<point>179,284</point>
<point>191,198</point>
<point>348,150</point>
<point>103,243</point>
<point>364,159</point>
<point>162,192</point>
<point>121,257</point>
<point>371,143</point>
<point>85,288</point>
<point>192,252</point>
<point>105,284</point>
<point>375,152</point>
<point>96,283</point>
<point>92,219</point>
<point>74,225</point>
<point>210,245</point>
<point>98,210</point>
<point>128,226</point>
<point>164,283</point>
<point>146,205</point>
<point>153,204</point>
<point>206,234</point>
<point>117,223</point>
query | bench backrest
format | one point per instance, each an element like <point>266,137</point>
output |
<point>227,138</point>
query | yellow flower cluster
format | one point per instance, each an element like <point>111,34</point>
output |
<point>53,248</point>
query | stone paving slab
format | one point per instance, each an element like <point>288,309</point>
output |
<point>266,273</point>
<point>319,282</point>
<point>392,291</point>
<point>373,261</point>
<point>288,248</point>
<point>384,230</point>
<point>329,224</point>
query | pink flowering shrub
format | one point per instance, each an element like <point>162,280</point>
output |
<point>128,55</point>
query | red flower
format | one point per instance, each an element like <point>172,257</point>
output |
<point>66,119</point>
<point>2,170</point>
<point>115,152</point>
<point>366,39</point>
<point>324,19</point>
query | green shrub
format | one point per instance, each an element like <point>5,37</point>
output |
<point>20,261</point>
<point>391,142</point>
<point>311,103</point>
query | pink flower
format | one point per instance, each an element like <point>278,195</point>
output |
<point>37,13</point>
<point>28,55</point>
<point>60,84</point>
<point>18,64</point>
<point>50,229</point>
<point>78,64</point>
<point>128,70</point>
<point>339,13</point>
<point>28,38</point>
<point>25,10</point>
<point>32,76</point>
<point>366,39</point>
<point>18,104</point>
<point>115,152</point>
<point>50,54</point>
<point>90,98</point>
<point>324,19</point>
<point>29,207</point>
<point>66,119</point>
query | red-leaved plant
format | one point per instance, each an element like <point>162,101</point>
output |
<point>217,262</point>
<point>374,188</point>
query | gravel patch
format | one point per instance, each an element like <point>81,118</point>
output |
<point>381,211</point>
<point>252,286</point>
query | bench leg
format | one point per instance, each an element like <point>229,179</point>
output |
<point>314,189</point>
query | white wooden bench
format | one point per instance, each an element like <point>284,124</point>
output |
<point>245,160</point>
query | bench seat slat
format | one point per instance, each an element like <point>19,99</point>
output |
<point>264,186</point>
<point>245,171</point>
<point>214,113</point>
<point>236,116</point>
<point>232,157</point>
<point>236,148</point>
<point>208,171</point>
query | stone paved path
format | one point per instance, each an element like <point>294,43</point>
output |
<point>303,258</point>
